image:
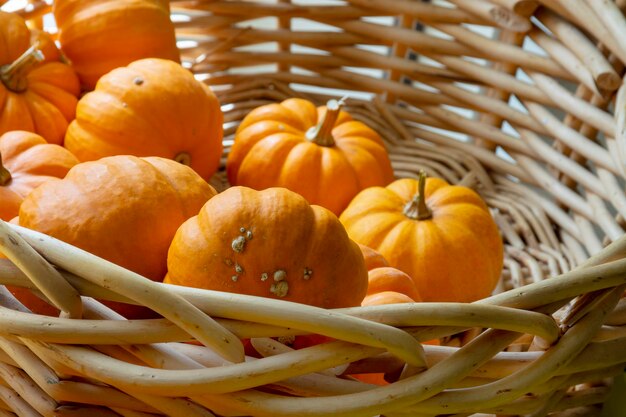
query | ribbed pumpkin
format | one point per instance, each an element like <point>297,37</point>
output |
<point>268,243</point>
<point>320,153</point>
<point>441,235</point>
<point>27,161</point>
<point>387,285</point>
<point>37,93</point>
<point>152,107</point>
<point>123,208</point>
<point>100,35</point>
<point>373,259</point>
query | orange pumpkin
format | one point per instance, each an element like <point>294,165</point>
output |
<point>268,243</point>
<point>123,208</point>
<point>46,45</point>
<point>320,153</point>
<point>100,35</point>
<point>27,161</point>
<point>441,235</point>
<point>386,297</point>
<point>37,94</point>
<point>373,259</point>
<point>153,107</point>
<point>388,279</point>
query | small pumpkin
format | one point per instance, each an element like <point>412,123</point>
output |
<point>388,279</point>
<point>123,208</point>
<point>373,259</point>
<point>27,161</point>
<point>441,235</point>
<point>152,107</point>
<point>268,243</point>
<point>37,93</point>
<point>320,153</point>
<point>386,297</point>
<point>100,35</point>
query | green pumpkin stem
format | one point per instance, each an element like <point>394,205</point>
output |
<point>5,175</point>
<point>13,75</point>
<point>322,133</point>
<point>417,209</point>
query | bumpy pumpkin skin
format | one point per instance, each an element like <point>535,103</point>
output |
<point>271,150</point>
<point>123,208</point>
<point>100,35</point>
<point>35,96</point>
<point>152,107</point>
<point>30,161</point>
<point>268,243</point>
<point>456,255</point>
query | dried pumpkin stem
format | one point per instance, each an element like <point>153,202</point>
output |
<point>322,133</point>
<point>417,209</point>
<point>183,158</point>
<point>5,175</point>
<point>13,75</point>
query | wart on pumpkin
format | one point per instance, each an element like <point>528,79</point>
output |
<point>280,289</point>
<point>307,273</point>
<point>239,244</point>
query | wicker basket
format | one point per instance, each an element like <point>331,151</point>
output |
<point>457,90</point>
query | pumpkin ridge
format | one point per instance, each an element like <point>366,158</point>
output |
<point>265,155</point>
<point>48,120</point>
<point>382,231</point>
<point>303,153</point>
<point>56,74</point>
<point>348,145</point>
<point>31,162</point>
<point>343,173</point>
<point>160,125</point>
<point>246,141</point>
<point>14,105</point>
<point>475,243</point>
<point>51,93</point>
<point>42,164</point>
<point>20,37</point>
<point>148,124</point>
<point>307,116</point>
<point>458,195</point>
<point>354,128</point>
<point>445,214</point>
<point>269,112</point>
<point>175,191</point>
<point>99,133</point>
<point>360,206</point>
<point>431,239</point>
<point>16,142</point>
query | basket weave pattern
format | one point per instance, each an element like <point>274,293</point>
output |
<point>454,90</point>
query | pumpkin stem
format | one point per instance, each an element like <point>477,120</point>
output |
<point>14,75</point>
<point>5,175</point>
<point>417,209</point>
<point>184,158</point>
<point>322,133</point>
